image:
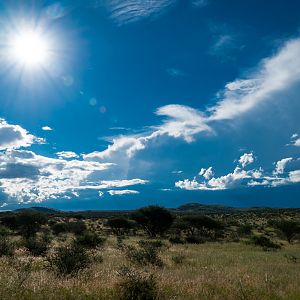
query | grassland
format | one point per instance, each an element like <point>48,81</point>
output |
<point>224,268</point>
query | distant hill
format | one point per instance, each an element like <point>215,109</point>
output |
<point>39,209</point>
<point>198,207</point>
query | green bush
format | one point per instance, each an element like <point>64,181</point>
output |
<point>244,229</point>
<point>69,260</point>
<point>77,227</point>
<point>145,254</point>
<point>194,239</point>
<point>37,246</point>
<point>263,241</point>
<point>136,286</point>
<point>6,246</point>
<point>60,228</point>
<point>89,240</point>
<point>176,239</point>
<point>178,258</point>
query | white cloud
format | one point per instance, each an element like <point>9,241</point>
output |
<point>129,11</point>
<point>47,128</point>
<point>206,173</point>
<point>281,164</point>
<point>108,184</point>
<point>122,192</point>
<point>67,154</point>
<point>246,159</point>
<point>295,140</point>
<point>200,3</point>
<point>28,177</point>
<point>14,136</point>
<point>241,178</point>
<point>274,74</point>
<point>180,122</point>
<point>177,172</point>
<point>294,176</point>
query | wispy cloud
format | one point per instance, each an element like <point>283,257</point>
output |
<point>122,192</point>
<point>176,72</point>
<point>274,74</point>
<point>129,11</point>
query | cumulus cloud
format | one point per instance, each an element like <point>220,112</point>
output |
<point>47,128</point>
<point>28,177</point>
<point>206,173</point>
<point>15,136</point>
<point>122,192</point>
<point>246,159</point>
<point>67,154</point>
<point>281,164</point>
<point>295,140</point>
<point>243,178</point>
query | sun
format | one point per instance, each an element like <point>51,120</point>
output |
<point>30,48</point>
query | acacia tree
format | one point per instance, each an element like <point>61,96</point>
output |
<point>201,223</point>
<point>120,225</point>
<point>154,219</point>
<point>288,228</point>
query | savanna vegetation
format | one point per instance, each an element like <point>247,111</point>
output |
<point>193,252</point>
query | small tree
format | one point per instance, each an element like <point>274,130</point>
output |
<point>119,225</point>
<point>69,260</point>
<point>29,223</point>
<point>201,223</point>
<point>154,219</point>
<point>289,228</point>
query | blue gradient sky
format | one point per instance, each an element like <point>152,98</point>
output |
<point>161,101</point>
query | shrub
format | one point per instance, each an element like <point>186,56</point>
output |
<point>244,229</point>
<point>154,219</point>
<point>194,239</point>
<point>69,260</point>
<point>178,258</point>
<point>119,225</point>
<point>77,227</point>
<point>289,228</point>
<point>6,246</point>
<point>176,239</point>
<point>89,240</point>
<point>59,228</point>
<point>264,242</point>
<point>36,246</point>
<point>137,286</point>
<point>145,254</point>
<point>10,222</point>
<point>29,223</point>
<point>201,223</point>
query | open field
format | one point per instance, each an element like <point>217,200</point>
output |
<point>226,266</point>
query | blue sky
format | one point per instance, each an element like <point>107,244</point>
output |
<point>120,104</point>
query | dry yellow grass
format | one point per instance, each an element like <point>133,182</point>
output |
<point>209,271</point>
